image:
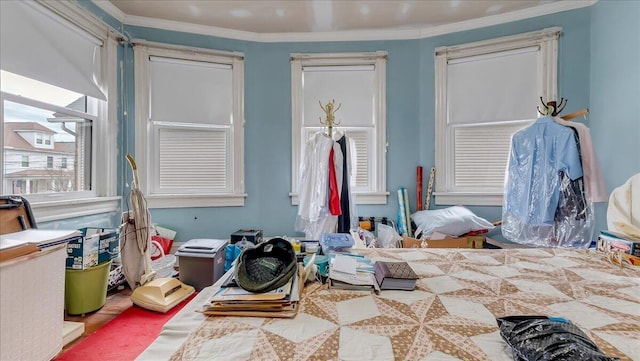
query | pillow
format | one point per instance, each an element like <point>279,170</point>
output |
<point>453,221</point>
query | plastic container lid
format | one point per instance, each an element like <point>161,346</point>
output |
<point>201,247</point>
<point>335,241</point>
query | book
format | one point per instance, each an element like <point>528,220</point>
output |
<point>395,276</point>
<point>42,238</point>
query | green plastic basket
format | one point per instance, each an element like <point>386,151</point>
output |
<point>86,290</point>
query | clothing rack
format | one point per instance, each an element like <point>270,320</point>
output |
<point>330,120</point>
<point>553,109</point>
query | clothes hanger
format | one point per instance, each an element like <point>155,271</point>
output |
<point>576,114</point>
<point>330,111</point>
<point>552,108</point>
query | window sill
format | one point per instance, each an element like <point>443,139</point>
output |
<point>361,198</point>
<point>468,199</point>
<point>64,209</point>
<point>195,200</point>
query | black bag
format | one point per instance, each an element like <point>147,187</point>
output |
<point>267,266</point>
<point>548,338</point>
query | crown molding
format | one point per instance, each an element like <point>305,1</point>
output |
<point>355,35</point>
<point>110,9</point>
<point>542,10</point>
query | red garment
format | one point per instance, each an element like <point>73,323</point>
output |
<point>334,192</point>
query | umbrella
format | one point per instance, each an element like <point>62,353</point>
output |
<point>135,234</point>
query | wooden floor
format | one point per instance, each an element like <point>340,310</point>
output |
<point>117,302</point>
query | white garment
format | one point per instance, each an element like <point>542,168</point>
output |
<point>313,216</point>
<point>593,177</point>
<point>623,212</point>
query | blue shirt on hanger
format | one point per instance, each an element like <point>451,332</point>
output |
<point>538,154</point>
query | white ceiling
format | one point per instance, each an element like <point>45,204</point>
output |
<point>328,16</point>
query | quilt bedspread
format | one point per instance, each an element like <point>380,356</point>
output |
<point>449,316</point>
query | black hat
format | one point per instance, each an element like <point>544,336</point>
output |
<point>267,266</point>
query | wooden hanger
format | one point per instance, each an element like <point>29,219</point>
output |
<point>576,114</point>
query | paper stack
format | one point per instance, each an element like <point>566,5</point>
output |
<point>231,300</point>
<point>350,271</point>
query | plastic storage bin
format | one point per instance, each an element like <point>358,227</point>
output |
<point>201,262</point>
<point>86,290</point>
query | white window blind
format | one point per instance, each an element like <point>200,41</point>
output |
<point>40,45</point>
<point>499,86</point>
<point>480,155</point>
<point>208,99</point>
<point>202,166</point>
<point>194,126</point>
<point>352,86</point>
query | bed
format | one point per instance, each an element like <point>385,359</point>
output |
<point>449,316</point>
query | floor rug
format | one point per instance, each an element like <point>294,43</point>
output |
<point>123,338</point>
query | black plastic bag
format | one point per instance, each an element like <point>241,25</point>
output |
<point>534,338</point>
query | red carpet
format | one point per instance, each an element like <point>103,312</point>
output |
<point>123,338</point>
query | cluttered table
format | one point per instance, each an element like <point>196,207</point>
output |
<point>451,313</point>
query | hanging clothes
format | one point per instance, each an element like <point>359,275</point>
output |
<point>593,175</point>
<point>544,202</point>
<point>348,220</point>
<point>324,171</point>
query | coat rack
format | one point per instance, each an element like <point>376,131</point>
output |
<point>330,120</point>
<point>553,109</point>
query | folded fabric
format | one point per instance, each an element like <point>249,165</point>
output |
<point>623,212</point>
<point>453,221</point>
<point>267,266</point>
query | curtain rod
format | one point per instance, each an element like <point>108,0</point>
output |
<point>154,44</point>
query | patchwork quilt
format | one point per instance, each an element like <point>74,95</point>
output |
<point>451,315</point>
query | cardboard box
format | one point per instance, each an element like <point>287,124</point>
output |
<point>611,242</point>
<point>97,245</point>
<point>446,242</point>
<point>82,253</point>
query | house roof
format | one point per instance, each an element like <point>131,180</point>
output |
<point>13,140</point>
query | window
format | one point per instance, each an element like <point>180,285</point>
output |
<point>357,81</point>
<point>485,92</point>
<point>189,143</point>
<point>63,162</point>
<point>56,79</point>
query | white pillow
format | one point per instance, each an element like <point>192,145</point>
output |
<point>453,221</point>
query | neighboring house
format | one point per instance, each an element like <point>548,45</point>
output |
<point>34,162</point>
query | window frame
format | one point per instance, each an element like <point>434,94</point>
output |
<point>379,192</point>
<point>145,131</point>
<point>103,197</point>
<point>547,40</point>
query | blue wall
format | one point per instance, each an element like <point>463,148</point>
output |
<point>410,110</point>
<point>615,92</point>
<point>410,116</point>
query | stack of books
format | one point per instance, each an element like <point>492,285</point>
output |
<point>14,245</point>
<point>232,300</point>
<point>625,245</point>
<point>349,271</point>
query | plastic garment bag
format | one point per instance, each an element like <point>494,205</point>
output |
<point>313,216</point>
<point>545,203</point>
